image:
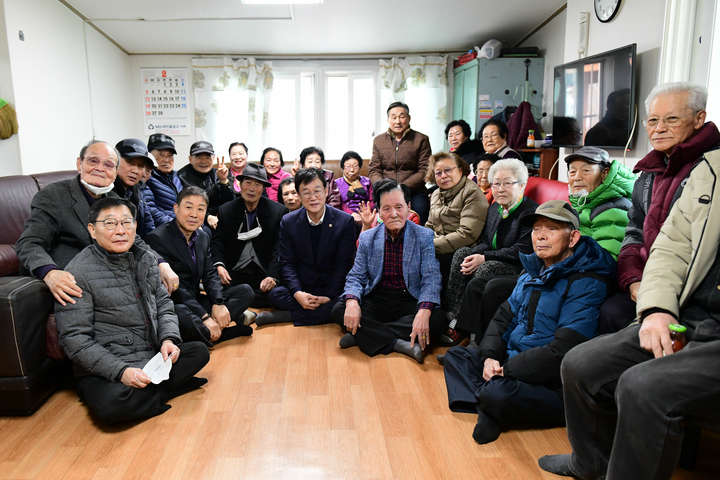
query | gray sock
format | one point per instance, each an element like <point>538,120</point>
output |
<point>557,464</point>
<point>347,341</point>
<point>278,316</point>
<point>403,346</point>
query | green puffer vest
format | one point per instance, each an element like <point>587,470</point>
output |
<point>603,213</point>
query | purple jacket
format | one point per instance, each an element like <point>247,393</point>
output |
<point>350,205</point>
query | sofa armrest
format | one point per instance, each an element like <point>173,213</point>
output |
<point>25,303</point>
<point>9,263</point>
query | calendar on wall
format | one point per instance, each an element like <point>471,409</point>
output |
<point>165,101</point>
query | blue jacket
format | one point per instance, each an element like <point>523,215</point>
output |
<point>165,188</point>
<point>549,312</point>
<point>421,270</point>
<point>136,194</point>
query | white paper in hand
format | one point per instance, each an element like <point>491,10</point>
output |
<point>157,369</point>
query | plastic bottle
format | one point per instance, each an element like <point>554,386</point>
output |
<point>677,335</point>
<point>531,139</point>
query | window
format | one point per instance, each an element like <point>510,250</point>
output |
<point>350,106</point>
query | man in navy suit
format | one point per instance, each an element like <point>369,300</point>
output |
<point>186,247</point>
<point>396,278</point>
<point>317,245</point>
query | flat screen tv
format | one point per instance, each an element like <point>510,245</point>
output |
<point>594,100</point>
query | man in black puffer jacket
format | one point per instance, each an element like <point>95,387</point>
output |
<point>122,320</point>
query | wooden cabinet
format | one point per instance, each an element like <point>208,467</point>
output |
<point>548,157</point>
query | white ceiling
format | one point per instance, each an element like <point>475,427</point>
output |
<point>336,27</point>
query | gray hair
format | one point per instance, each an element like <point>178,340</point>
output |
<point>512,164</point>
<point>697,94</point>
<point>93,142</point>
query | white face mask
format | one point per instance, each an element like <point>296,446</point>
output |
<point>97,190</point>
<point>581,196</point>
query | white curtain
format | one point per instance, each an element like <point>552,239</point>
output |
<point>232,102</point>
<point>421,83</point>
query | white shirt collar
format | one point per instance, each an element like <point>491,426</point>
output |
<point>313,224</point>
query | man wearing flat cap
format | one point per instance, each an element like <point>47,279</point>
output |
<point>244,246</point>
<point>514,376</point>
<point>216,183</point>
<point>134,157</point>
<point>599,190</point>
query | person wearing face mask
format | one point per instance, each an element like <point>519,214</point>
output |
<point>599,190</point>
<point>56,229</point>
<point>238,159</point>
<point>216,183</point>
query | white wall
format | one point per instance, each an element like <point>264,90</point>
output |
<point>9,148</point>
<point>68,83</point>
<point>639,22</point>
<point>50,77</point>
<point>549,40</point>
<point>182,142</point>
<point>110,89</point>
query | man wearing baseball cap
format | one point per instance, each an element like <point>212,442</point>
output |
<point>134,156</point>
<point>164,182</point>
<point>200,173</point>
<point>514,376</point>
<point>599,190</point>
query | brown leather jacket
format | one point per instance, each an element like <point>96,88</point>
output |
<point>406,162</point>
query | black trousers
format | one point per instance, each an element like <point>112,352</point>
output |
<point>617,312</point>
<point>253,278</point>
<point>445,260</point>
<point>483,296</point>
<point>237,299</point>
<point>116,402</point>
<point>387,315</point>
<point>506,399</point>
<point>625,409</point>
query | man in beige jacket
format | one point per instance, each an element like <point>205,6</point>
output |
<point>628,394</point>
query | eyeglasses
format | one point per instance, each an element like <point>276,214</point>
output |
<point>492,136</point>
<point>95,162</point>
<point>671,121</point>
<point>111,223</point>
<point>353,166</point>
<point>506,185</point>
<point>309,194</point>
<point>439,173</point>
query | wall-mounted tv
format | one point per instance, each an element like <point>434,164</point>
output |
<point>594,100</point>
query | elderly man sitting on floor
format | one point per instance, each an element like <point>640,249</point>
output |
<point>393,290</point>
<point>515,373</point>
<point>122,320</point>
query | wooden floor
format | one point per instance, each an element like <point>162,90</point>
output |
<point>287,403</point>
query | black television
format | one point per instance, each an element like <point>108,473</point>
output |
<point>593,100</point>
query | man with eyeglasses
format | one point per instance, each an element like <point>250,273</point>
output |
<point>134,157</point>
<point>56,230</point>
<point>679,135</point>
<point>124,319</point>
<point>317,245</point>
<point>164,182</point>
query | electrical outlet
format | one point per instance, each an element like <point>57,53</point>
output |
<point>21,35</point>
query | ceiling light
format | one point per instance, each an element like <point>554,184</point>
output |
<point>280,2</point>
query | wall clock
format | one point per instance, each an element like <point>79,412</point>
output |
<point>605,10</point>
